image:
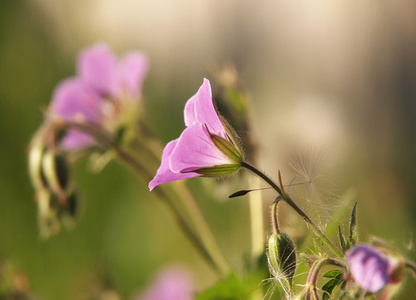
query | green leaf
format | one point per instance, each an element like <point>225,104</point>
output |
<point>330,286</point>
<point>353,226</point>
<point>333,273</point>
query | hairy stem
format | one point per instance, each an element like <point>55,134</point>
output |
<point>318,265</point>
<point>274,217</point>
<point>296,208</point>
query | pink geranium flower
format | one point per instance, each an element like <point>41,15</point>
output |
<point>370,268</point>
<point>207,146</point>
<point>101,92</point>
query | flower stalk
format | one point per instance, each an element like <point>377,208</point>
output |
<point>318,265</point>
<point>296,208</point>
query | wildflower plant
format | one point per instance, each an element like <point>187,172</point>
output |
<point>97,112</point>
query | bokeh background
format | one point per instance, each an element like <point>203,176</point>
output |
<point>337,75</point>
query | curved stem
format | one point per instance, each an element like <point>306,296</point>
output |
<point>212,255</point>
<point>296,208</point>
<point>411,266</point>
<point>318,265</point>
<point>274,217</point>
<point>180,218</point>
<point>149,147</point>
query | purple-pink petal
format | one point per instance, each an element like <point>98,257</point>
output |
<point>132,71</point>
<point>189,111</point>
<point>74,99</point>
<point>205,112</point>
<point>164,174</point>
<point>97,66</point>
<point>194,150</point>
<point>369,267</point>
<point>76,140</point>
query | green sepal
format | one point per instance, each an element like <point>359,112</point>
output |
<point>231,135</point>
<point>342,240</point>
<point>228,148</point>
<point>353,226</point>
<point>220,170</point>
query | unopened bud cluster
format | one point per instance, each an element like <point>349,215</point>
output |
<point>55,195</point>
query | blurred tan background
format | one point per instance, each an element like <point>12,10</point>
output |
<point>337,75</point>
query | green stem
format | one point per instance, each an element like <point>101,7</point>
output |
<point>274,217</point>
<point>296,208</point>
<point>318,265</point>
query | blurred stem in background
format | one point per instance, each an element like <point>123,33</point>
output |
<point>256,217</point>
<point>192,222</point>
<point>234,104</point>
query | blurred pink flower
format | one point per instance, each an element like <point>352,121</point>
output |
<point>173,283</point>
<point>103,82</point>
<point>369,267</point>
<point>101,69</point>
<point>207,147</point>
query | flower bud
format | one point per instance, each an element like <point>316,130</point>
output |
<point>47,213</point>
<point>282,255</point>
<point>69,211</point>
<point>374,268</point>
<point>56,172</point>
